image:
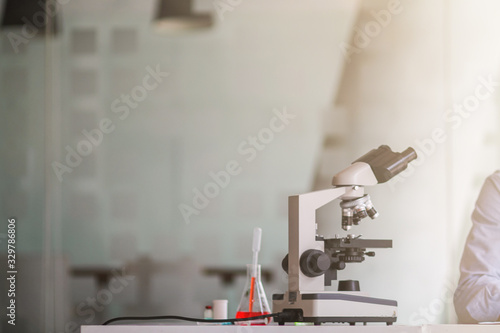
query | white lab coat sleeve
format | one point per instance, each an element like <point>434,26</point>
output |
<point>477,297</point>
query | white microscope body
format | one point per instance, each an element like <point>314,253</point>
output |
<point>313,261</point>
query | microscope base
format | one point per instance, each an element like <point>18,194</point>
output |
<point>336,307</point>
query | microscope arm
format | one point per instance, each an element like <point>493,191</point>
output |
<point>302,236</point>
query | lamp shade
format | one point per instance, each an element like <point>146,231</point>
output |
<point>19,13</point>
<point>177,16</point>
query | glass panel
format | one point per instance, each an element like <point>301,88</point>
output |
<point>23,167</point>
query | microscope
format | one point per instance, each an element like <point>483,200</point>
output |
<point>313,261</point>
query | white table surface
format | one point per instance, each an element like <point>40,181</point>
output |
<point>278,329</point>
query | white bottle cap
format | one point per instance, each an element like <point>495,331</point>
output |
<point>220,308</point>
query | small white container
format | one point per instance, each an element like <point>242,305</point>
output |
<point>220,308</point>
<point>208,313</point>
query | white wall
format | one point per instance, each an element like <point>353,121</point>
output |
<point>398,90</point>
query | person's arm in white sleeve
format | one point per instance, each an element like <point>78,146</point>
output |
<point>477,297</point>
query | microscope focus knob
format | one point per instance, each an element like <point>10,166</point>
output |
<point>339,265</point>
<point>314,263</point>
<point>284,264</point>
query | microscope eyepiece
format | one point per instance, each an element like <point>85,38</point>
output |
<point>385,163</point>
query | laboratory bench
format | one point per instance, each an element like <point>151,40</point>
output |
<point>291,329</point>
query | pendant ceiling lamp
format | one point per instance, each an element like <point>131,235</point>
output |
<point>30,15</point>
<point>178,16</point>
